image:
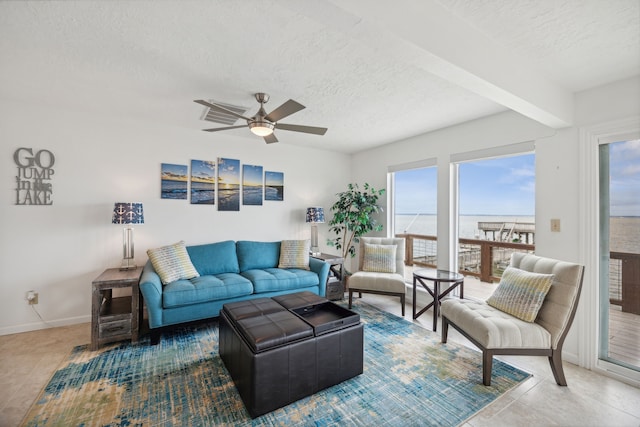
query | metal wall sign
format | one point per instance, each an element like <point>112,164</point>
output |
<point>33,181</point>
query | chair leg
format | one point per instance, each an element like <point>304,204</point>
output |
<point>445,330</point>
<point>555,360</point>
<point>487,365</point>
<point>402,302</point>
<point>350,297</point>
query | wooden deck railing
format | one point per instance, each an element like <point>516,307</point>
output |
<point>624,281</point>
<point>485,259</point>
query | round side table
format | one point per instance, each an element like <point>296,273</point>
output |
<point>437,277</point>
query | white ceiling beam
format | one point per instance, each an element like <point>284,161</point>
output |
<point>425,34</point>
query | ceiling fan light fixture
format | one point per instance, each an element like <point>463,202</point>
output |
<point>263,124</point>
<point>261,128</point>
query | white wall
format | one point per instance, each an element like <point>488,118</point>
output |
<point>498,130</point>
<point>557,172</point>
<point>58,250</point>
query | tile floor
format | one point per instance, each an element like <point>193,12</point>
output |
<point>28,360</point>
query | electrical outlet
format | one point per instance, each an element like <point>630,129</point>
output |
<point>32,298</point>
<point>555,225</point>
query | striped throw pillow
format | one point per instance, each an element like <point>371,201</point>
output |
<point>521,293</point>
<point>294,254</point>
<point>172,263</point>
<point>379,258</point>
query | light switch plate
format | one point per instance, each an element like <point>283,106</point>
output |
<point>555,225</point>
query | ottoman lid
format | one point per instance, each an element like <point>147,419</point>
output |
<point>250,308</point>
<point>273,330</point>
<point>299,299</point>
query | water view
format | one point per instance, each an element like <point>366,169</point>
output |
<point>274,186</point>
<point>202,193</point>
<point>252,185</point>
<point>625,231</point>
<point>173,181</point>
<point>203,182</point>
<point>229,198</point>
<point>252,195</point>
<point>173,189</point>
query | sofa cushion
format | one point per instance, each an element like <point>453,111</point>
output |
<point>215,258</point>
<point>379,258</point>
<point>294,254</point>
<point>277,279</point>
<point>205,288</point>
<point>253,255</point>
<point>172,263</point>
<point>521,293</point>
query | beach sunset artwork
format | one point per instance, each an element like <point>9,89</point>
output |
<point>203,182</point>
<point>274,186</point>
<point>174,181</point>
<point>228,184</point>
<point>252,188</point>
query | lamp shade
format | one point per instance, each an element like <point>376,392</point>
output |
<point>128,213</point>
<point>315,214</point>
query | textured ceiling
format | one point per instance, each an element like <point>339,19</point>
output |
<point>372,73</point>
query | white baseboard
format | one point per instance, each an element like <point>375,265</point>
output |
<point>570,357</point>
<point>35,326</point>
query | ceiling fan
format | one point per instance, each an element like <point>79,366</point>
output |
<point>263,124</point>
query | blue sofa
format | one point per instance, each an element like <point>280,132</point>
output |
<point>229,271</point>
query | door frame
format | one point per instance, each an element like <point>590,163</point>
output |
<point>589,318</point>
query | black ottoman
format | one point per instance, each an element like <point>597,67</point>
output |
<point>283,349</point>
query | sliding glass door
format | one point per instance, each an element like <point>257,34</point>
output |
<point>619,253</point>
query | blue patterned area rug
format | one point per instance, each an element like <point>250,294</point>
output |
<point>409,379</point>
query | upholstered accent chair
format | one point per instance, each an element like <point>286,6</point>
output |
<point>376,279</point>
<point>496,332</point>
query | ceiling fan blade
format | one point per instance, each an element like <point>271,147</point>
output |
<point>284,110</point>
<point>220,108</point>
<point>270,139</point>
<point>300,128</point>
<point>224,128</point>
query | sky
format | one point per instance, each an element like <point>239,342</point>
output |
<point>416,191</point>
<point>251,175</point>
<point>174,172</point>
<point>506,186</point>
<point>229,171</point>
<point>203,169</point>
<point>503,186</point>
<point>624,176</point>
<point>274,178</point>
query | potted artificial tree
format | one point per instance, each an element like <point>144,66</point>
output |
<point>353,216</point>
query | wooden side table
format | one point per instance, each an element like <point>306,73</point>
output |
<point>115,319</point>
<point>335,288</point>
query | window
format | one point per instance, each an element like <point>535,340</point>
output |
<point>414,213</point>
<point>496,204</point>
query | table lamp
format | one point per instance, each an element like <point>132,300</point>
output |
<point>127,213</point>
<point>315,215</point>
